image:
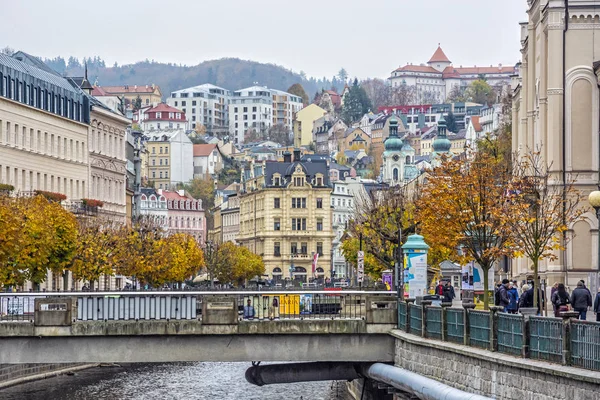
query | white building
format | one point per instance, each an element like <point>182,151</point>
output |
<point>205,105</point>
<point>490,117</point>
<point>153,207</point>
<point>342,202</point>
<point>173,165</point>
<point>207,160</point>
<point>260,108</point>
<point>436,79</point>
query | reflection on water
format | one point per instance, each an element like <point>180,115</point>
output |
<point>185,381</point>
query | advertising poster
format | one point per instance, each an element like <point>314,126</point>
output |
<point>289,304</point>
<point>388,280</point>
<point>415,273</point>
<point>18,305</point>
<point>306,301</point>
<point>478,278</point>
<point>467,277</point>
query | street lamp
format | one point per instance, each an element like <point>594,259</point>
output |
<point>594,199</point>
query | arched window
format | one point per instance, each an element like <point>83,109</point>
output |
<point>395,174</point>
<point>407,160</point>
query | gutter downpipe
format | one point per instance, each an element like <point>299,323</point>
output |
<point>564,134</point>
<point>422,387</point>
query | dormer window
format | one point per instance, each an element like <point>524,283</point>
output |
<point>298,181</point>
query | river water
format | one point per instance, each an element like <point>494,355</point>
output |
<point>177,381</point>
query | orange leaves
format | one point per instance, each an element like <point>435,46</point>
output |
<point>231,263</point>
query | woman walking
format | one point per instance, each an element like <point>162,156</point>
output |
<point>560,300</point>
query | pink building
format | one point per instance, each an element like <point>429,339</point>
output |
<point>185,214</point>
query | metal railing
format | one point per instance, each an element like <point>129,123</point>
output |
<point>546,338</point>
<point>585,344</point>
<point>511,333</point>
<point>402,310</point>
<point>416,319</point>
<point>434,323</point>
<point>479,328</point>
<point>167,305</point>
<point>455,325</point>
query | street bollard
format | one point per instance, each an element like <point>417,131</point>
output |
<point>424,305</point>
<point>494,310</point>
<point>467,334</point>
<point>566,334</point>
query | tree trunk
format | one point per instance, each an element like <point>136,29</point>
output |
<point>536,284</point>
<point>486,293</point>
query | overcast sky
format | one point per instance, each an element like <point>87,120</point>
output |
<point>369,38</point>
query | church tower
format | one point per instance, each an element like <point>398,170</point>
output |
<point>441,144</point>
<point>397,156</point>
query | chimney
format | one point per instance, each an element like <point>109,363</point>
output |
<point>296,155</point>
<point>287,157</point>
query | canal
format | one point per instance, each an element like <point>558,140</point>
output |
<point>177,381</point>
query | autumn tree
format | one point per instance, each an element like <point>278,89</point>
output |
<point>384,218</point>
<point>542,211</point>
<point>247,265</point>
<point>253,135</point>
<point>231,263</point>
<point>456,95</point>
<point>463,203</point>
<point>203,189</point>
<point>373,267</point>
<point>297,90</point>
<point>280,133</point>
<point>97,252</point>
<point>480,92</point>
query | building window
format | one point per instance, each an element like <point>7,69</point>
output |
<point>298,181</point>
<point>298,202</point>
<point>298,224</point>
<point>276,202</point>
<point>319,181</point>
<point>166,150</point>
<point>276,225</point>
<point>319,202</point>
<point>294,248</point>
<point>304,248</point>
<point>320,248</point>
<point>277,249</point>
<point>319,224</point>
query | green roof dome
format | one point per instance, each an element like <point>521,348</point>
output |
<point>393,142</point>
<point>441,144</point>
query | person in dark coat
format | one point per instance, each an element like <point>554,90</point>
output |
<point>527,299</point>
<point>448,291</point>
<point>560,299</point>
<point>597,306</point>
<point>513,295</point>
<point>581,299</point>
<point>503,297</point>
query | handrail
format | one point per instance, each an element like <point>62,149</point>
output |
<point>192,293</point>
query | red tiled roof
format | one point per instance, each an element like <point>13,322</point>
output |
<point>173,195</point>
<point>130,89</point>
<point>450,72</point>
<point>438,56</point>
<point>476,124</point>
<point>336,99</point>
<point>203,150</point>
<point>99,91</point>
<point>404,109</point>
<point>162,107</point>
<point>419,68</point>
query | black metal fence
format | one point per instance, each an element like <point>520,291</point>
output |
<point>561,340</point>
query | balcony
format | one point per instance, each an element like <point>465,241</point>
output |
<point>78,207</point>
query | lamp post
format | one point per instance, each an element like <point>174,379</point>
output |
<point>594,199</point>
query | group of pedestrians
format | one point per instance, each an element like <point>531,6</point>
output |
<point>445,290</point>
<point>580,300</point>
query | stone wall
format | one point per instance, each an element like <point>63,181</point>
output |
<point>12,374</point>
<point>493,374</point>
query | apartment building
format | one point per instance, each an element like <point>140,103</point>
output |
<point>205,105</point>
<point>285,216</point>
<point>259,108</point>
<point>43,129</point>
<point>185,214</point>
<point>170,158</point>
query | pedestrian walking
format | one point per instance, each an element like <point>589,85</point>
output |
<point>448,292</point>
<point>502,299</point>
<point>581,299</point>
<point>597,306</point>
<point>560,299</point>
<point>513,295</point>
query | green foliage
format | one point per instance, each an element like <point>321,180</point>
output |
<point>297,90</point>
<point>137,103</point>
<point>451,122</point>
<point>373,267</point>
<point>481,92</point>
<point>356,104</point>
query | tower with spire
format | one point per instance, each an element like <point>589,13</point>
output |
<point>397,156</point>
<point>441,144</point>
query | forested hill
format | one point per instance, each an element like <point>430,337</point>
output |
<point>230,73</point>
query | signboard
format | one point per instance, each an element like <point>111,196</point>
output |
<point>17,305</point>
<point>415,273</point>
<point>388,280</point>
<point>360,266</point>
<point>306,301</point>
<point>478,278</point>
<point>289,304</point>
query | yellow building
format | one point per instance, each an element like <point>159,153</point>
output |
<point>285,216</point>
<point>170,158</point>
<point>149,94</point>
<point>304,123</point>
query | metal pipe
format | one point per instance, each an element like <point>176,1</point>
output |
<point>301,372</point>
<point>422,387</point>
